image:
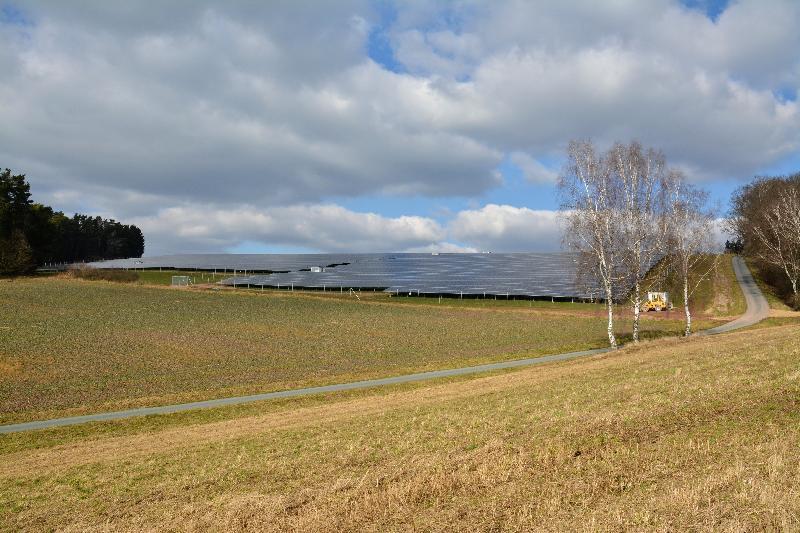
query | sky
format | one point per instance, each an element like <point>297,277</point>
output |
<point>369,126</point>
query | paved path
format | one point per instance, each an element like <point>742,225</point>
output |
<point>757,309</point>
<point>757,305</point>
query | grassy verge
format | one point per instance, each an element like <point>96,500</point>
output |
<point>717,294</point>
<point>672,435</point>
<point>775,301</point>
<point>72,346</point>
<point>722,294</point>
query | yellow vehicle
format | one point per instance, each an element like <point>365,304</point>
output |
<point>657,301</point>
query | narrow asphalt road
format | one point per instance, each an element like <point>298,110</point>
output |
<point>757,309</point>
<point>757,305</point>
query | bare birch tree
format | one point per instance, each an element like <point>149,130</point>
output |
<point>765,215</point>
<point>640,177</point>
<point>591,225</point>
<point>691,227</point>
<point>790,204</point>
<point>779,234</point>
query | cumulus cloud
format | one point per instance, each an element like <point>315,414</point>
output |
<point>332,228</point>
<point>325,227</point>
<point>504,228</point>
<point>192,106</point>
<point>273,105</point>
<point>710,94</point>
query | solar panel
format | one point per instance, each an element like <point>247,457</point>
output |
<point>469,274</point>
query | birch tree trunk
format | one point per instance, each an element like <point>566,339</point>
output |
<point>612,340</point>
<point>686,306</point>
<point>792,280</point>
<point>637,305</point>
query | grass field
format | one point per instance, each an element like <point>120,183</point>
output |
<point>672,435</point>
<point>72,346</point>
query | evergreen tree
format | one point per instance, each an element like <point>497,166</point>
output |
<point>32,234</point>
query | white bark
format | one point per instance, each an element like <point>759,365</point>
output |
<point>686,311</point>
<point>612,339</point>
<point>637,306</point>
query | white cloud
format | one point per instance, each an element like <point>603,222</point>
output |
<point>271,106</point>
<point>504,228</point>
<point>324,227</point>
<point>532,170</point>
<point>332,228</point>
<point>157,114</point>
<point>444,247</point>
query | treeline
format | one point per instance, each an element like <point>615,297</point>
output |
<point>765,216</point>
<point>625,210</point>
<point>33,234</point>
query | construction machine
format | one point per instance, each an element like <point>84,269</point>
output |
<point>657,301</point>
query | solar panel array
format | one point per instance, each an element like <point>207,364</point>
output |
<point>509,275</point>
<point>468,274</point>
<point>502,274</point>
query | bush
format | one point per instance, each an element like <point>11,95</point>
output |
<point>105,274</point>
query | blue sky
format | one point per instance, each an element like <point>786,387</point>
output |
<point>377,125</point>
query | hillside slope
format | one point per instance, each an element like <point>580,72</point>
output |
<point>717,293</point>
<point>674,434</point>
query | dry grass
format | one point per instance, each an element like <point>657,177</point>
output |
<point>718,294</point>
<point>723,293</point>
<point>103,274</point>
<point>157,277</point>
<point>770,292</point>
<point>671,435</point>
<point>71,346</point>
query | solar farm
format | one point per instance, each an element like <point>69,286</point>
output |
<point>506,275</point>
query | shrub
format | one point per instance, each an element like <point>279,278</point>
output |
<point>105,274</point>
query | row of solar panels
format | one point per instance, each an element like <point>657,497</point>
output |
<point>518,274</point>
<point>503,274</point>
